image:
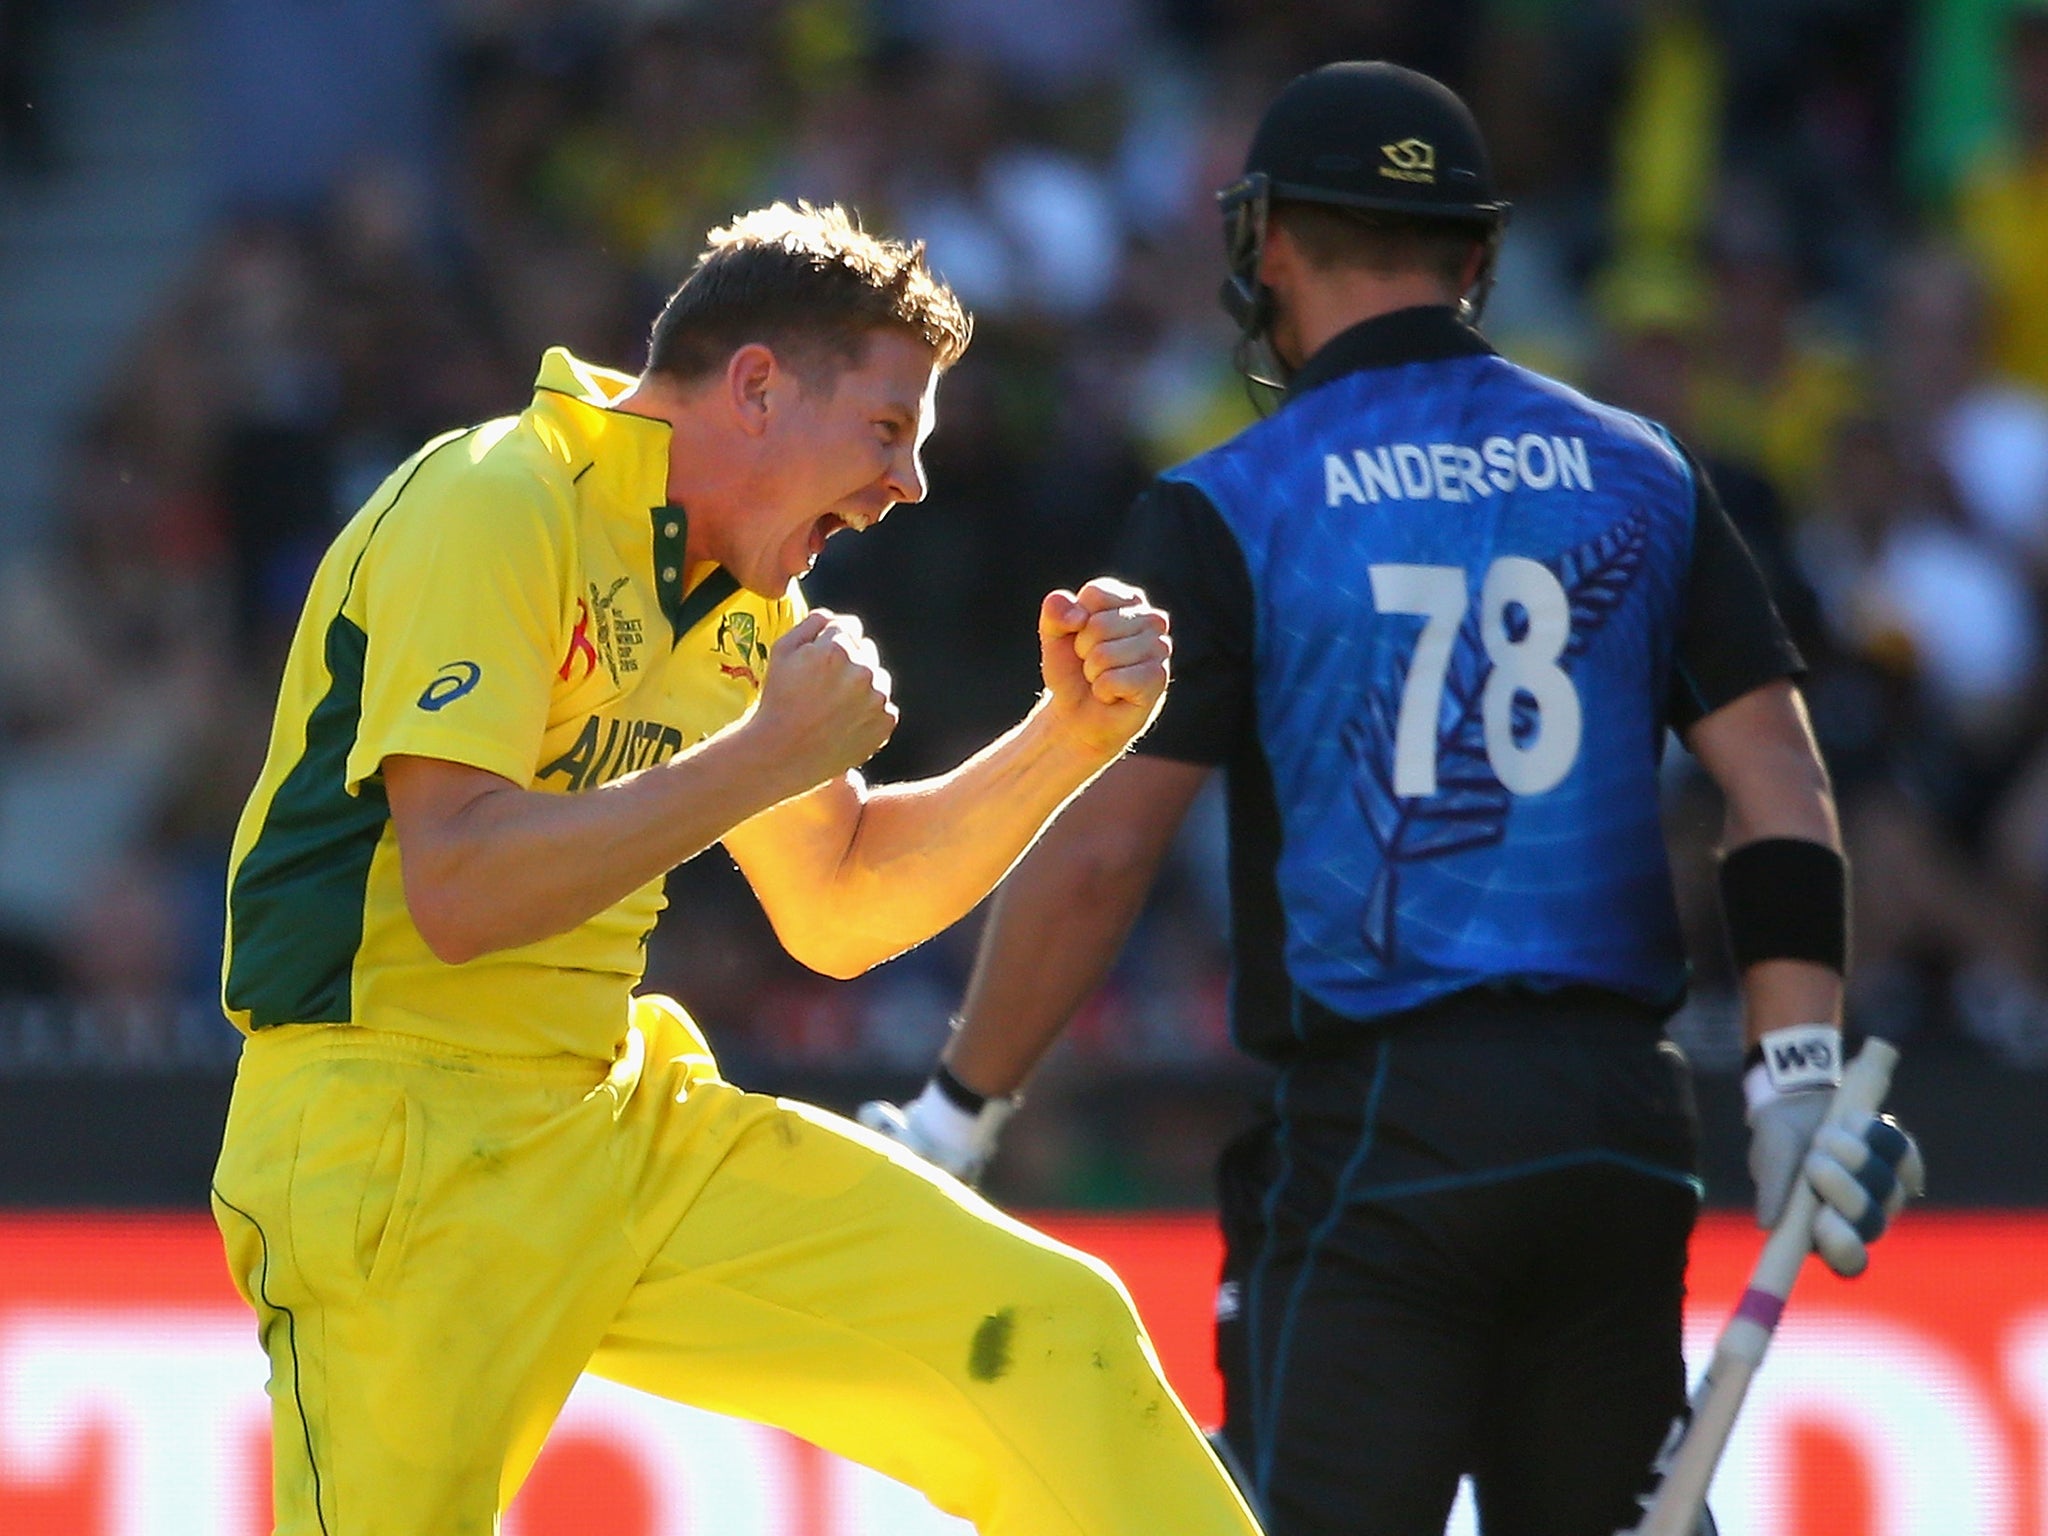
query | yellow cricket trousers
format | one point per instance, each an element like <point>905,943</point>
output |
<point>437,1243</point>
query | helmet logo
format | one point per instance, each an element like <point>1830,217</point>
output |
<point>1410,160</point>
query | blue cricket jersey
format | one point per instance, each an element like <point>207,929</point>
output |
<point>1457,591</point>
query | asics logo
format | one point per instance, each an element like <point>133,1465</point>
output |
<point>450,684</point>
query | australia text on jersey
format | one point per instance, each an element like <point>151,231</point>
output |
<point>1455,472</point>
<point>609,749</point>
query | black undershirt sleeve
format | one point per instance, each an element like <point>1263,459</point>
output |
<point>1730,637</point>
<point>1176,546</point>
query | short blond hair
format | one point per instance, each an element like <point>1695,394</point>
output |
<point>807,281</point>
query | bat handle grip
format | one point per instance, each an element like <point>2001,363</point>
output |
<point>1864,1084</point>
<point>1675,1508</point>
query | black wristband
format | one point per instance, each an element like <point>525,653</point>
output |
<point>1786,898</point>
<point>958,1093</point>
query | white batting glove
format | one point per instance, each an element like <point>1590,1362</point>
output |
<point>932,1125</point>
<point>1787,1092</point>
<point>1863,1174</point>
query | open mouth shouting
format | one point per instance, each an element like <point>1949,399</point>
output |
<point>835,522</point>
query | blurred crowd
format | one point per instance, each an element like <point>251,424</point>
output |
<point>1809,235</point>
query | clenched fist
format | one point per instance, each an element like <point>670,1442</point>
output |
<point>1105,652</point>
<point>825,702</point>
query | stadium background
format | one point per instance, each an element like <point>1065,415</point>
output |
<point>253,251</point>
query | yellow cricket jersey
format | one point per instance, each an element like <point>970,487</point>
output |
<point>514,598</point>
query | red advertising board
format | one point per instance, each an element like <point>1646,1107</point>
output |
<point>1911,1402</point>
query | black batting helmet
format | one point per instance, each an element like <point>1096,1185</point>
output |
<point>1359,134</point>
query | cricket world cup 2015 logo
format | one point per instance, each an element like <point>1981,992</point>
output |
<point>600,633</point>
<point>616,633</point>
<point>581,650</point>
<point>738,647</point>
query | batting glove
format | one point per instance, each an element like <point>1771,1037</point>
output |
<point>937,1129</point>
<point>1787,1089</point>
<point>1863,1174</point>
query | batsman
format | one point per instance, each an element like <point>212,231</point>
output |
<point>1434,619</point>
<point>555,655</point>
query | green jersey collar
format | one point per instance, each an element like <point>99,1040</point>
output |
<point>684,607</point>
